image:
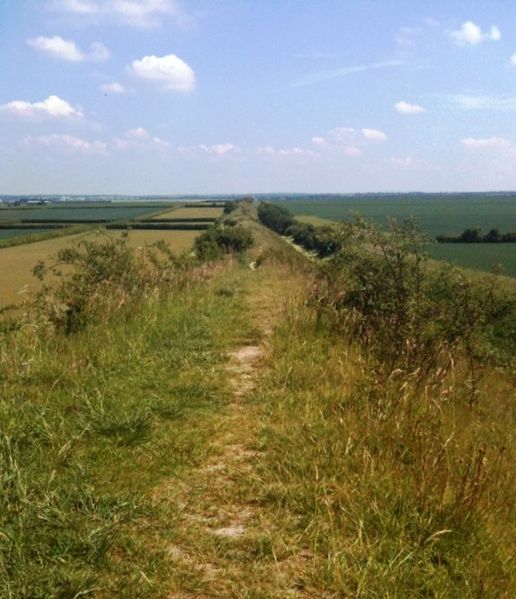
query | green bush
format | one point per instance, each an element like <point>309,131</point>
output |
<point>93,279</point>
<point>217,241</point>
<point>380,289</point>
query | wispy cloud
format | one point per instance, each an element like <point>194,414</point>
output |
<point>320,76</point>
<point>136,13</point>
<point>66,143</point>
<point>495,102</point>
<point>57,47</point>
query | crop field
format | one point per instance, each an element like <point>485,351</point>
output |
<point>16,263</point>
<point>201,212</point>
<point>479,256</point>
<point>79,213</point>
<point>8,233</point>
<point>436,214</point>
<point>178,241</point>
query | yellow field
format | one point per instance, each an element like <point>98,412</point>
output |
<point>317,221</point>
<point>191,213</point>
<point>17,262</point>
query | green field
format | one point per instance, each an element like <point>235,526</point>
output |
<point>79,213</point>
<point>479,256</point>
<point>446,214</point>
<point>8,233</point>
<point>437,214</point>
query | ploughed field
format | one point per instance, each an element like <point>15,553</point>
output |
<point>436,214</point>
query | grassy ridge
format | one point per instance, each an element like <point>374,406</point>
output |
<point>387,489</point>
<point>89,425</point>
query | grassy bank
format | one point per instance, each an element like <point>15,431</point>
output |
<point>90,423</point>
<point>383,488</point>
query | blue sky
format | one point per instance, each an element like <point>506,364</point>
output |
<point>238,96</point>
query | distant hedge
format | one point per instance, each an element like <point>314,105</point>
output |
<point>322,240</point>
<point>475,236</point>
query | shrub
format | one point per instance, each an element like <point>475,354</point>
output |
<point>380,289</point>
<point>217,241</point>
<point>95,278</point>
<point>275,217</point>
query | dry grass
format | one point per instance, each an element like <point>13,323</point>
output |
<point>317,221</point>
<point>204,212</point>
<point>16,263</point>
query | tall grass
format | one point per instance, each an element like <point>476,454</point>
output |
<point>380,469</point>
<point>93,417</point>
<point>392,490</point>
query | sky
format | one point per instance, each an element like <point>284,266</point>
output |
<point>249,96</point>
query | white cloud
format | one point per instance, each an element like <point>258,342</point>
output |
<point>67,143</point>
<point>406,108</point>
<point>138,133</point>
<point>137,13</point>
<point>98,52</point>
<point>219,149</point>
<point>373,135</point>
<point>320,76</point>
<point>353,152</point>
<point>474,143</point>
<point>139,138</point>
<point>483,102</point>
<point>168,72</point>
<point>53,107</point>
<point>341,133</point>
<point>58,47</point>
<point>113,88</point>
<point>319,141</point>
<point>295,151</point>
<point>471,34</point>
<point>513,60</point>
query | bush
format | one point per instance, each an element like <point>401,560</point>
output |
<point>95,278</point>
<point>275,217</point>
<point>217,241</point>
<point>411,315</point>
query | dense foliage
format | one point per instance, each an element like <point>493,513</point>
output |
<point>380,287</point>
<point>475,236</point>
<point>324,241</point>
<point>217,241</point>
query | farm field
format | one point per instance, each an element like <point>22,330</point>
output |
<point>202,212</point>
<point>16,263</point>
<point>178,240</point>
<point>8,233</point>
<point>78,213</point>
<point>436,214</point>
<point>478,256</point>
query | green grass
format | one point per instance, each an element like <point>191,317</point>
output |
<point>90,425</point>
<point>9,233</point>
<point>479,256</point>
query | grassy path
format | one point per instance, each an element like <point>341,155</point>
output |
<point>223,544</point>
